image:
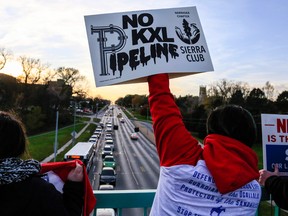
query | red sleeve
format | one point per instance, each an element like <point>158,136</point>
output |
<point>174,143</point>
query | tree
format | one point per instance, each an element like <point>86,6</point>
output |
<point>256,101</point>
<point>70,75</point>
<point>34,120</point>
<point>32,69</point>
<point>60,93</point>
<point>139,100</point>
<point>199,117</point>
<point>187,103</point>
<point>8,91</point>
<point>187,28</point>
<point>224,89</point>
<point>126,101</point>
<point>268,89</point>
<point>237,98</point>
<point>282,102</point>
<point>48,76</point>
<point>73,78</point>
<point>4,56</point>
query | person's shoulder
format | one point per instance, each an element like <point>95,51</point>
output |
<point>39,182</point>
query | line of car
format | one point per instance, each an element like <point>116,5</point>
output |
<point>107,176</point>
<point>108,172</point>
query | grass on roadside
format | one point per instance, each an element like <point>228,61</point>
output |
<point>42,145</point>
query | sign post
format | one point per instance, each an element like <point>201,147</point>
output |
<point>275,142</point>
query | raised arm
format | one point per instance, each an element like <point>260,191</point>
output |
<point>175,145</point>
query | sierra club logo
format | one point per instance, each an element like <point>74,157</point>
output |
<point>190,34</point>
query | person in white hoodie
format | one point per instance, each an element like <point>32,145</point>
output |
<point>218,179</point>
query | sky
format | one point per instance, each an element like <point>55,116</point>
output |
<point>247,40</point>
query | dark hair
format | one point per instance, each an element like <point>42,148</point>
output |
<point>12,136</point>
<point>233,121</point>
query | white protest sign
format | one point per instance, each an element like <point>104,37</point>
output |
<point>127,47</point>
<point>275,141</point>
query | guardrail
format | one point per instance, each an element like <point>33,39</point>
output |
<point>121,199</point>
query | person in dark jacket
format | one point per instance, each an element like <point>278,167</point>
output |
<point>23,191</point>
<point>275,185</point>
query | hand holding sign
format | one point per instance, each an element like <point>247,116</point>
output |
<point>76,174</point>
<point>264,174</point>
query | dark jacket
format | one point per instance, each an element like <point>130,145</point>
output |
<point>36,197</point>
<point>277,186</point>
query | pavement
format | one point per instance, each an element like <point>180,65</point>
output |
<point>146,131</point>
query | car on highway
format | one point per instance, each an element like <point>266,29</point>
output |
<point>94,141</point>
<point>97,132</point>
<point>109,124</point>
<point>106,187</point>
<point>101,124</point>
<point>108,136</point>
<point>134,136</point>
<point>115,127</point>
<point>109,142</point>
<point>107,150</point>
<point>109,161</point>
<point>107,176</point>
<point>106,211</point>
<point>94,136</point>
<point>109,129</point>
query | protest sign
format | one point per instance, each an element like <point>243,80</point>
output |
<point>275,142</point>
<point>127,47</point>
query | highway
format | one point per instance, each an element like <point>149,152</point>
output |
<point>137,160</point>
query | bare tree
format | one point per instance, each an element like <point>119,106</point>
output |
<point>79,89</point>
<point>73,78</point>
<point>268,90</point>
<point>32,69</point>
<point>48,76</point>
<point>225,89</point>
<point>4,56</point>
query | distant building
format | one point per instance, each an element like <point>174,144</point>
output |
<point>202,94</point>
<point>59,89</point>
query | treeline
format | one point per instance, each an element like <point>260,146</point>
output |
<point>39,91</point>
<point>36,104</point>
<point>195,109</point>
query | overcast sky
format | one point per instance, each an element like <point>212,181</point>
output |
<point>247,40</point>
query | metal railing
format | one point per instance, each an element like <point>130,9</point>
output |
<point>122,199</point>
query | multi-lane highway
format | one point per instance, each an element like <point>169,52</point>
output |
<point>137,163</point>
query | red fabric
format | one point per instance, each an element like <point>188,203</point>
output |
<point>231,163</point>
<point>62,169</point>
<point>174,143</point>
